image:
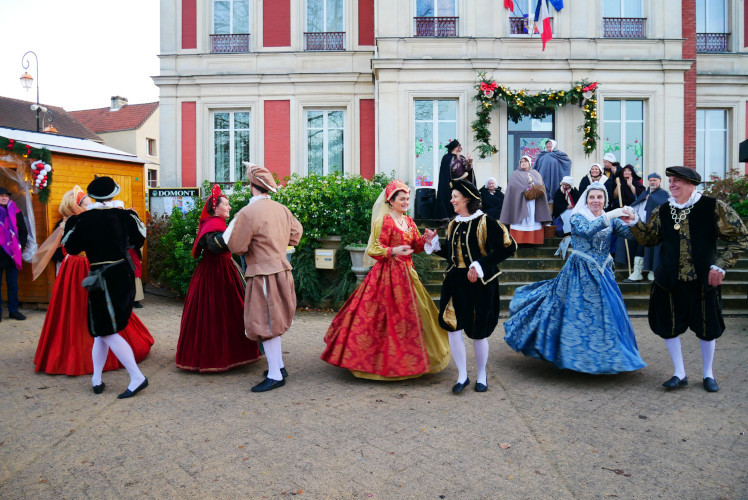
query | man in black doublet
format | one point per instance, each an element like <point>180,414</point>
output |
<point>105,233</point>
<point>686,291</point>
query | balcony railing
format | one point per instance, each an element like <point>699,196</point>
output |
<point>712,42</point>
<point>517,26</point>
<point>227,44</point>
<point>436,26</point>
<point>624,27</point>
<point>330,40</point>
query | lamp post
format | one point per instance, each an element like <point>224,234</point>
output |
<point>27,80</point>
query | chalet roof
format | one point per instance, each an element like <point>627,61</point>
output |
<point>128,117</point>
<point>69,145</point>
<point>17,114</point>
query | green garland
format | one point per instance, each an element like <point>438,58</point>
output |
<point>522,103</point>
<point>27,151</point>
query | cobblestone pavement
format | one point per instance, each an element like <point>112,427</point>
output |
<point>537,433</point>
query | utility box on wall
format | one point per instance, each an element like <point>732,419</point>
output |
<point>324,258</point>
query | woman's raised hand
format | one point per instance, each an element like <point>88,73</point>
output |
<point>428,235</point>
<point>402,250</point>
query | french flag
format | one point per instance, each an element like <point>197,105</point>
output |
<point>543,22</point>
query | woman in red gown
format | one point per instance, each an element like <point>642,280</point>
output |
<point>65,343</point>
<point>388,328</point>
<point>211,338</point>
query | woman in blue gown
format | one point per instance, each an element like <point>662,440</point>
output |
<point>578,320</point>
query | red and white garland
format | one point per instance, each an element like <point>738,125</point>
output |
<point>41,171</point>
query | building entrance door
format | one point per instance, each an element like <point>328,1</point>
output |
<point>527,137</point>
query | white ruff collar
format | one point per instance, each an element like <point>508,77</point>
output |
<point>258,198</point>
<point>477,214</point>
<point>695,196</point>
<point>106,204</point>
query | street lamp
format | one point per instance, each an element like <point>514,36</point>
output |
<point>27,80</point>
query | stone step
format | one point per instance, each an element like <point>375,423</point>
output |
<point>732,304</point>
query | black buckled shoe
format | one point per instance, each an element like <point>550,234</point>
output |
<point>128,393</point>
<point>710,385</point>
<point>16,315</point>
<point>284,373</point>
<point>98,389</point>
<point>268,385</point>
<point>675,383</point>
<point>480,387</point>
<point>458,387</point>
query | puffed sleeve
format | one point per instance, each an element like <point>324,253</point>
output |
<point>135,229</point>
<point>732,230</point>
<point>213,242</point>
<point>580,226</point>
<point>380,243</point>
<point>72,238</point>
<point>419,241</point>
<point>239,234</point>
<point>648,234</point>
<point>296,231</point>
<point>498,240</point>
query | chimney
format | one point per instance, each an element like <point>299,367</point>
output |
<point>118,102</point>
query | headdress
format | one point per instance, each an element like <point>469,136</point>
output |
<point>209,223</point>
<point>686,173</point>
<point>654,175</point>
<point>103,188</point>
<point>260,176</point>
<point>467,188</point>
<point>599,167</point>
<point>4,191</point>
<point>581,206</point>
<point>568,179</point>
<point>452,144</point>
<point>554,143</point>
<point>610,157</point>
<point>70,203</point>
<point>529,160</point>
<point>393,187</point>
<point>211,203</point>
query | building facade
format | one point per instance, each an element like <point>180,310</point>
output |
<point>366,86</point>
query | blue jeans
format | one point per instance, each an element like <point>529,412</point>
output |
<point>11,279</point>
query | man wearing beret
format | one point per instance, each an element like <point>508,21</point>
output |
<point>261,232</point>
<point>686,290</point>
<point>647,259</point>
<point>105,233</point>
<point>13,236</point>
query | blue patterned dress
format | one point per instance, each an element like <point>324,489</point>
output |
<point>578,320</point>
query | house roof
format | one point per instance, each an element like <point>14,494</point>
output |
<point>69,145</point>
<point>17,114</point>
<point>128,117</point>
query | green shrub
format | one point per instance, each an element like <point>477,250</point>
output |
<point>733,190</point>
<point>171,261</point>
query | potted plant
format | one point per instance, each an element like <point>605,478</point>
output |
<point>357,251</point>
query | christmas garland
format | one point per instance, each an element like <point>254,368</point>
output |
<point>522,103</point>
<point>42,176</point>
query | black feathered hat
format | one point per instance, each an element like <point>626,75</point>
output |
<point>103,188</point>
<point>466,188</point>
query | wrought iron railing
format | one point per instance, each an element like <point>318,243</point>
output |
<point>522,25</point>
<point>436,26</point>
<point>227,44</point>
<point>624,27</point>
<point>712,42</point>
<point>329,40</point>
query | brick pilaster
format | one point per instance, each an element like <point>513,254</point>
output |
<point>689,88</point>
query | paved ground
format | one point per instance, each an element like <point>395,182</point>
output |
<point>538,432</point>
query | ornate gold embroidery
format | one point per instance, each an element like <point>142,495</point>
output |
<point>449,317</point>
<point>482,235</point>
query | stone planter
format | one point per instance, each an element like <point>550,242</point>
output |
<point>330,242</point>
<point>289,252</point>
<point>357,261</point>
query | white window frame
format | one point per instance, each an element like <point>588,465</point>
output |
<point>622,123</point>
<point>622,4</point>
<point>437,158</point>
<point>701,155</point>
<point>531,4</point>
<point>324,18</point>
<point>725,24</point>
<point>437,14</point>
<point>150,150</point>
<point>325,140</point>
<point>148,178</point>
<point>231,18</point>
<point>232,142</point>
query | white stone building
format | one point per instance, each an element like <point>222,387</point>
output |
<point>365,86</point>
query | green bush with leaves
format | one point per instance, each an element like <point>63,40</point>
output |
<point>170,241</point>
<point>732,189</point>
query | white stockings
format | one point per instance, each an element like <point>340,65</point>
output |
<point>457,346</point>
<point>707,357</point>
<point>274,355</point>
<point>123,351</point>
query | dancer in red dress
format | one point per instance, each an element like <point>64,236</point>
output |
<point>65,343</point>
<point>388,328</point>
<point>212,338</point>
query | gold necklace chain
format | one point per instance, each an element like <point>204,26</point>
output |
<point>678,217</point>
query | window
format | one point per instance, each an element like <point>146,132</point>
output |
<point>231,145</point>
<point>230,26</point>
<point>150,147</point>
<point>527,137</point>
<point>522,20</point>
<point>152,178</point>
<point>711,26</point>
<point>623,19</point>
<point>623,132</point>
<point>436,18</point>
<point>325,141</point>
<point>435,127</point>
<point>325,25</point>
<point>711,142</point>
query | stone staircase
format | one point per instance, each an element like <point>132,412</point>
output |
<point>533,264</point>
